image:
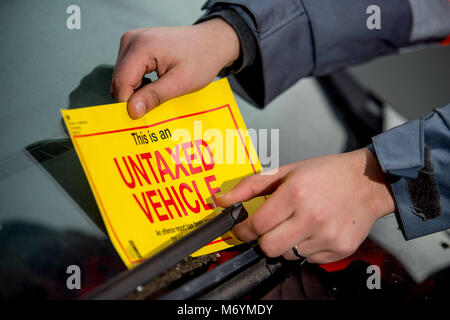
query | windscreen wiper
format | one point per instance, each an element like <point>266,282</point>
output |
<point>127,281</point>
<point>201,284</point>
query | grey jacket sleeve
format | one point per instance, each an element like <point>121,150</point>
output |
<point>299,38</point>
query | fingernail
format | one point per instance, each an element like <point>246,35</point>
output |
<point>220,200</point>
<point>121,98</point>
<point>139,108</point>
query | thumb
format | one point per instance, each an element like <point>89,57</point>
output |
<point>253,186</point>
<point>170,85</point>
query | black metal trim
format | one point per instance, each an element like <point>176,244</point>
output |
<point>126,282</point>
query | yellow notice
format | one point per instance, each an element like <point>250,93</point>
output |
<point>156,179</point>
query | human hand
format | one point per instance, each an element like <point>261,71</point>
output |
<point>185,59</point>
<point>326,206</point>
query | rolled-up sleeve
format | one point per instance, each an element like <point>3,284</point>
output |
<point>416,157</point>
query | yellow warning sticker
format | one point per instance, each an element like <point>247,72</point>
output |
<point>157,178</point>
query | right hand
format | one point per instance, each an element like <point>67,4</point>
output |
<point>185,59</point>
<point>326,206</point>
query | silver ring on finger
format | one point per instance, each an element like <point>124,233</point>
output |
<point>297,254</point>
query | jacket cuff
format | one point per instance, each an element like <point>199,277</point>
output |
<point>274,24</point>
<point>400,151</point>
<point>415,157</point>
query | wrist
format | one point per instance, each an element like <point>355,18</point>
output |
<point>378,194</point>
<point>225,39</point>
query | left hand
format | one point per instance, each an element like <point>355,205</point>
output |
<point>326,206</point>
<point>185,58</point>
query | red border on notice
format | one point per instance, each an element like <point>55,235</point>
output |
<point>149,126</point>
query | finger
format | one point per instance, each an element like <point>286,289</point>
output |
<point>306,248</point>
<point>323,257</point>
<point>126,41</point>
<point>290,255</point>
<point>136,63</point>
<point>278,208</point>
<point>252,186</point>
<point>174,83</point>
<point>282,238</point>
